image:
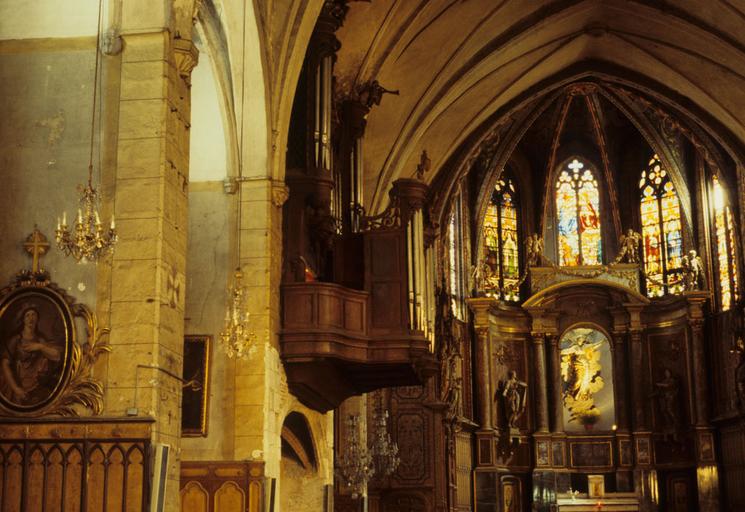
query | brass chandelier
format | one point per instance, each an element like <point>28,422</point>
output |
<point>237,338</point>
<point>88,240</point>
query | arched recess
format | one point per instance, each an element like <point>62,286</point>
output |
<point>301,486</point>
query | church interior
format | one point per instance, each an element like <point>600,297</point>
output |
<point>372,255</point>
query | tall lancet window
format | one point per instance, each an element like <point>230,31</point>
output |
<point>661,230</point>
<point>455,259</point>
<point>501,244</point>
<point>724,226</point>
<point>578,213</point>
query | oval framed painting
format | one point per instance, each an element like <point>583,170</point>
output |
<point>37,332</point>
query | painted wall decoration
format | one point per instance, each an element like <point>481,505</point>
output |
<point>587,380</point>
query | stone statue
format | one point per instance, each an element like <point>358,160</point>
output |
<point>693,271</point>
<point>668,392</point>
<point>424,165</point>
<point>630,247</point>
<point>739,351</point>
<point>514,395</point>
<point>534,250</point>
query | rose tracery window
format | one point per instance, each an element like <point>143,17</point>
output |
<point>661,230</point>
<point>578,216</point>
<point>501,244</point>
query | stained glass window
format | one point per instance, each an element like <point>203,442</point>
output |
<point>578,212</point>
<point>661,230</point>
<point>455,259</point>
<point>724,227</point>
<point>501,244</point>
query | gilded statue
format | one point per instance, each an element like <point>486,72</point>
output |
<point>514,397</point>
<point>581,376</point>
<point>693,272</point>
<point>630,247</point>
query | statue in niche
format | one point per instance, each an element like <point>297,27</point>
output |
<point>514,398</point>
<point>581,372</point>
<point>630,247</point>
<point>693,271</point>
<point>739,351</point>
<point>534,250</point>
<point>668,394</point>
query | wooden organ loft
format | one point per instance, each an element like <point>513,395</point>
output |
<point>532,359</point>
<point>358,310</point>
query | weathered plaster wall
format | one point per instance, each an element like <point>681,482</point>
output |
<point>45,119</point>
<point>208,265</point>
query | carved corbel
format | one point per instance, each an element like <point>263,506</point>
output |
<point>185,56</point>
<point>280,194</point>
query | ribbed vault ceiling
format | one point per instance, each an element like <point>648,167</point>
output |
<point>458,62</point>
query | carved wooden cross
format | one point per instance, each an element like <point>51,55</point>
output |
<point>37,246</point>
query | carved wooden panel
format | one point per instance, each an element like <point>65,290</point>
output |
<point>221,486</point>
<point>386,279</point>
<point>463,465</point>
<point>733,466</point>
<point>412,435</point>
<point>74,465</point>
<point>590,454</point>
<point>405,502</point>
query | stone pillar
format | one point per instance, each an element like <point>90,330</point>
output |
<point>621,381</point>
<point>696,302</point>
<point>480,308</point>
<point>540,381</point>
<point>556,406</point>
<point>638,396</point>
<point>150,201</point>
<point>482,378</point>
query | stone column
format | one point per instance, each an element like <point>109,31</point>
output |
<point>621,381</point>
<point>482,378</point>
<point>540,381</point>
<point>696,302</point>
<point>556,407</point>
<point>638,398</point>
<point>480,308</point>
<point>150,201</point>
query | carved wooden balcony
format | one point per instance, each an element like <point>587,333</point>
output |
<point>333,348</point>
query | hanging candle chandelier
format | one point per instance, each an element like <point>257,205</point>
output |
<point>88,240</point>
<point>354,466</point>
<point>383,450</point>
<point>237,338</point>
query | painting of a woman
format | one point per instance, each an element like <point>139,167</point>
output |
<point>29,361</point>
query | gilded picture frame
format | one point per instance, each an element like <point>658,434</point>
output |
<point>37,333</point>
<point>195,395</point>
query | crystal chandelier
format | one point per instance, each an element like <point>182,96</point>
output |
<point>383,450</point>
<point>236,337</point>
<point>88,240</point>
<point>354,466</point>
